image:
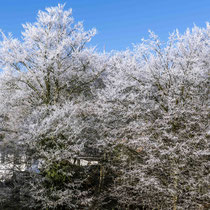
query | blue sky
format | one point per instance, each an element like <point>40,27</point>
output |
<point>119,22</point>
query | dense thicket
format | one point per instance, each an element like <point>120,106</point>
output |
<point>123,130</point>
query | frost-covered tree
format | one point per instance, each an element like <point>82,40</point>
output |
<point>158,114</point>
<point>48,87</point>
<point>49,66</point>
<point>142,115</point>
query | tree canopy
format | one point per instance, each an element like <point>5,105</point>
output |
<point>119,130</point>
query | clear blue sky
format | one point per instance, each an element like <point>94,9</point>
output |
<point>119,22</point>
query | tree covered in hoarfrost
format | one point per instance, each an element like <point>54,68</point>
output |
<point>48,85</point>
<point>142,113</point>
<point>50,66</point>
<point>159,106</point>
